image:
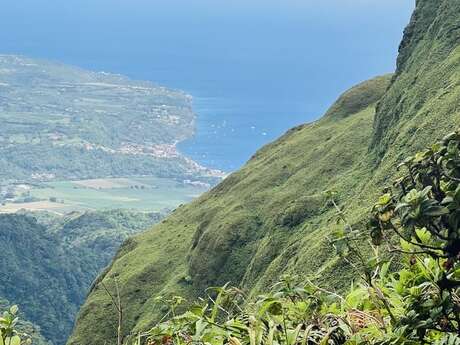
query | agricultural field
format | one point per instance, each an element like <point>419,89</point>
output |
<point>141,194</point>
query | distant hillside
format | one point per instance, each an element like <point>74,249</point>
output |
<point>269,218</point>
<point>64,122</point>
<point>48,265</point>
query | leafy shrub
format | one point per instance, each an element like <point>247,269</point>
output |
<point>8,333</point>
<point>423,212</point>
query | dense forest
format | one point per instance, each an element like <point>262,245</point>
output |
<point>48,262</point>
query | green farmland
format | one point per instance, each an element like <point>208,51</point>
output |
<point>142,194</point>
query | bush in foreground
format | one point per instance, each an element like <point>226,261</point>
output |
<point>9,335</point>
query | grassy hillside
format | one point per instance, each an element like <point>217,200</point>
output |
<point>423,98</point>
<point>269,218</point>
<point>47,266</point>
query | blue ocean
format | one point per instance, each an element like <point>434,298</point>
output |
<point>255,68</point>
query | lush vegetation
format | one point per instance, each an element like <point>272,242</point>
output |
<point>13,328</point>
<point>185,255</point>
<point>408,294</point>
<point>48,265</point>
<point>269,219</point>
<point>8,334</point>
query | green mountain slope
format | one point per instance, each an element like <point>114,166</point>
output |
<point>47,266</point>
<point>255,222</point>
<point>269,218</point>
<point>423,98</point>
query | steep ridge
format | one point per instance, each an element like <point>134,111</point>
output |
<point>424,95</point>
<point>269,218</point>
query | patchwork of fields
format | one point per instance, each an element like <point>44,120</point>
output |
<point>142,194</point>
<point>60,122</point>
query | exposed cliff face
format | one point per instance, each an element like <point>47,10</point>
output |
<point>269,218</point>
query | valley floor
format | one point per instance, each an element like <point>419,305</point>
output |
<point>137,193</point>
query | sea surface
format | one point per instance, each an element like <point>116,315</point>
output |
<point>255,68</point>
<point>232,128</point>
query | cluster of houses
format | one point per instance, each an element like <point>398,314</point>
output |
<point>9,192</point>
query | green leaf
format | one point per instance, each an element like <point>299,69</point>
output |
<point>436,211</point>
<point>424,235</point>
<point>447,200</point>
<point>292,335</point>
<point>436,147</point>
<point>450,136</point>
<point>406,246</point>
<point>419,156</point>
<point>338,234</point>
<point>426,191</point>
<point>401,205</point>
<point>385,199</point>
<point>14,309</point>
<point>384,269</point>
<point>15,340</point>
<point>200,326</point>
<point>198,310</point>
<point>271,306</point>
